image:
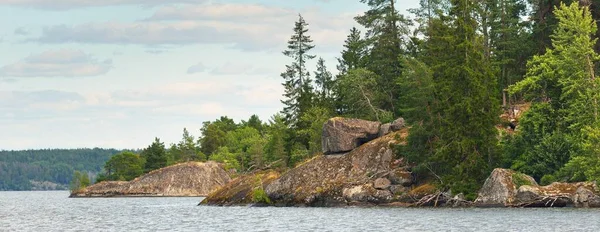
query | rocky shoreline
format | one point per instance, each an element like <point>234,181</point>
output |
<point>360,169</point>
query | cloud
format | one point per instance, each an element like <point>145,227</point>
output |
<point>228,12</point>
<point>197,68</point>
<point>21,31</point>
<point>57,63</point>
<point>247,27</point>
<point>73,4</point>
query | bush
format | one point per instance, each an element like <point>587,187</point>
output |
<point>260,196</point>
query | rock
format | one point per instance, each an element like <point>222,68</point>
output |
<point>401,177</point>
<point>585,198</point>
<point>398,189</point>
<point>185,179</point>
<point>239,191</point>
<point>343,134</point>
<point>322,180</point>
<point>458,201</point>
<point>366,193</point>
<point>384,129</point>
<point>500,188</point>
<point>556,195</point>
<point>382,183</point>
<point>397,124</point>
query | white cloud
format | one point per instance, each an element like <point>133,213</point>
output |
<point>72,4</point>
<point>197,68</point>
<point>57,63</point>
<point>248,27</point>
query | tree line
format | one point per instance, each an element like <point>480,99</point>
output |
<point>49,168</point>
<point>450,70</point>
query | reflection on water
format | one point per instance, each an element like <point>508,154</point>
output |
<point>54,211</point>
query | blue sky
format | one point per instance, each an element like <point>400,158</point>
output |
<point>117,73</point>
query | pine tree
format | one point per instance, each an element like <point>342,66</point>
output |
<point>155,156</point>
<point>297,82</point>
<point>385,28</point>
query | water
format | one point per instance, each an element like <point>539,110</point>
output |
<point>54,211</point>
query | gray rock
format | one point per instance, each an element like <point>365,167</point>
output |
<point>344,134</point>
<point>366,193</point>
<point>585,198</point>
<point>401,177</point>
<point>499,188</point>
<point>384,129</point>
<point>398,189</point>
<point>397,124</point>
<point>382,183</point>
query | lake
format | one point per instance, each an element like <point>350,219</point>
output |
<point>54,211</point>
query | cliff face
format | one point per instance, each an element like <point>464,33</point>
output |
<point>185,179</point>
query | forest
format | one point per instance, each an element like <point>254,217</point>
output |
<point>49,169</point>
<point>451,68</point>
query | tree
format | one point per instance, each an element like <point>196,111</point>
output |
<point>458,142</point>
<point>275,146</point>
<point>213,134</point>
<point>124,166</point>
<point>297,82</point>
<point>358,93</point>
<point>155,156</point>
<point>324,83</point>
<point>563,87</point>
<point>385,30</point>
<point>186,149</point>
<point>353,53</point>
<point>79,181</point>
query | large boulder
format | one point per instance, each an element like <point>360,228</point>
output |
<point>397,124</point>
<point>557,195</point>
<point>345,134</point>
<point>500,188</point>
<point>185,179</point>
<point>366,194</point>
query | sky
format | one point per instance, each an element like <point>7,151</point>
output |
<point>118,73</point>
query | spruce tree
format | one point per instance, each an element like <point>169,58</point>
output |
<point>324,85</point>
<point>298,94</point>
<point>457,142</point>
<point>353,53</point>
<point>385,28</point>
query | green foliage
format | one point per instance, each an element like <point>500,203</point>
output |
<point>297,84</point>
<point>353,53</point>
<point>519,179</point>
<point>19,168</point>
<point>260,196</point>
<point>358,95</point>
<point>461,136</point>
<point>79,181</point>
<point>223,155</point>
<point>124,166</point>
<point>562,83</point>
<point>155,156</point>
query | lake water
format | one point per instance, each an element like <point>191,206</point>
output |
<point>54,211</point>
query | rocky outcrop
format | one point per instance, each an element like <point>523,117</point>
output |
<point>333,180</point>
<point>344,134</point>
<point>240,190</point>
<point>185,179</point>
<point>500,188</point>
<point>557,194</point>
<point>512,189</point>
